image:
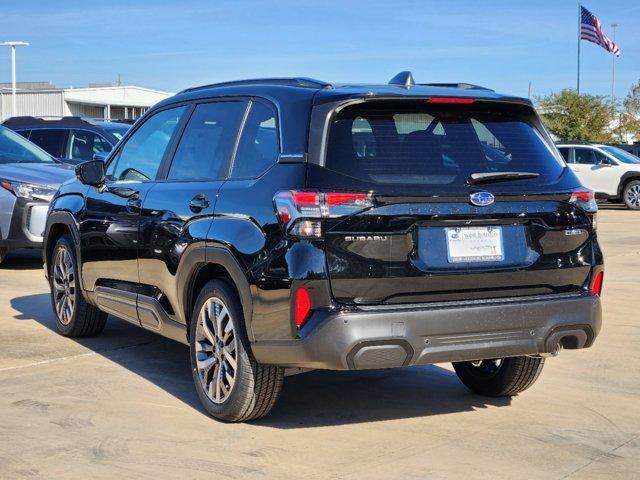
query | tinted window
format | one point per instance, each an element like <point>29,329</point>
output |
<point>622,155</point>
<point>422,144</point>
<point>83,144</point>
<point>16,149</point>
<point>589,156</point>
<point>140,157</point>
<point>564,151</point>
<point>52,141</point>
<point>205,146</point>
<point>258,147</point>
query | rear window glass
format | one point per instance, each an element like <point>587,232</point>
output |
<point>436,144</point>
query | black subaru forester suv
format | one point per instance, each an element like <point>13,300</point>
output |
<point>279,225</point>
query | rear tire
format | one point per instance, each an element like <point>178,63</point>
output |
<point>502,377</point>
<point>631,195</point>
<point>230,383</point>
<point>75,317</point>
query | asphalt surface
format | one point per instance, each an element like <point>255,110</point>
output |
<point>122,405</point>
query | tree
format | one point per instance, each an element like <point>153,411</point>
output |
<point>572,116</point>
<point>630,116</point>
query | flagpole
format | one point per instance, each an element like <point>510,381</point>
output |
<point>579,25</point>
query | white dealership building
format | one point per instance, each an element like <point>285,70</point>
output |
<point>43,99</point>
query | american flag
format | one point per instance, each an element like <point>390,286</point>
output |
<point>591,30</point>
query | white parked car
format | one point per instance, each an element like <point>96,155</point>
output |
<point>611,172</point>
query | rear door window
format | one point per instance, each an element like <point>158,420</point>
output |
<point>83,144</point>
<point>423,144</point>
<point>565,152</point>
<point>258,148</point>
<point>51,140</point>
<point>206,144</point>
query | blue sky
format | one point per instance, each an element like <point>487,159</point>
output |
<point>502,44</point>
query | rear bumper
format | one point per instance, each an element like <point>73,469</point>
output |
<point>384,338</point>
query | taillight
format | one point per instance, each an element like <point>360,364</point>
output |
<point>301,212</point>
<point>596,283</point>
<point>302,306</point>
<point>586,200</point>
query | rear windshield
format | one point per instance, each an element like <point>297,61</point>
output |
<point>428,144</point>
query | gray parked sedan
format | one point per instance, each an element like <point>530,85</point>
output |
<point>29,177</point>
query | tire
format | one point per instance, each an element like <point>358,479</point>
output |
<point>503,377</point>
<point>631,195</point>
<point>3,254</point>
<point>74,316</point>
<point>255,388</point>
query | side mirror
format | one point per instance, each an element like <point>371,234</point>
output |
<point>91,173</point>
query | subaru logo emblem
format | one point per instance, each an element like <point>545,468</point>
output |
<point>481,199</point>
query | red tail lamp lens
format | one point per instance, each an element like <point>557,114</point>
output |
<point>342,198</point>
<point>596,283</point>
<point>458,100</point>
<point>302,307</point>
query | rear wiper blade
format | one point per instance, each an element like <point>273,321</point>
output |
<point>486,177</point>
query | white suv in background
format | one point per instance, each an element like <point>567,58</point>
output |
<point>611,172</point>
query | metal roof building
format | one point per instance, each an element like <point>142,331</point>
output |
<point>43,99</point>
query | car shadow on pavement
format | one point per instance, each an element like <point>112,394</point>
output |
<point>25,259</point>
<point>313,399</point>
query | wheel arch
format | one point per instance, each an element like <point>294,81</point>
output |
<point>625,179</point>
<point>206,263</point>
<point>58,224</point>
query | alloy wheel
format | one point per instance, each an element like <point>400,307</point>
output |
<point>633,195</point>
<point>216,350</point>
<point>64,286</point>
<point>486,368</point>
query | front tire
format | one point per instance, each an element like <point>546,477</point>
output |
<point>231,385</point>
<point>631,195</point>
<point>75,317</point>
<point>502,377</point>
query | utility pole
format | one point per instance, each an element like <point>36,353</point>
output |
<point>13,46</point>
<point>579,38</point>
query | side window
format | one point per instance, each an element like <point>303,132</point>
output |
<point>83,144</point>
<point>585,156</point>
<point>601,158</point>
<point>24,133</point>
<point>206,144</point>
<point>140,157</point>
<point>564,151</point>
<point>258,148</point>
<point>51,140</point>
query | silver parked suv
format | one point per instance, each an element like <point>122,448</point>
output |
<point>29,177</point>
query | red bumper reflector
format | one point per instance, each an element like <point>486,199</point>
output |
<point>459,100</point>
<point>302,307</point>
<point>596,283</point>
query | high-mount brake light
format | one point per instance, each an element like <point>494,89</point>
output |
<point>450,100</point>
<point>301,211</point>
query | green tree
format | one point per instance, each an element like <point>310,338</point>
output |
<point>630,116</point>
<point>572,116</point>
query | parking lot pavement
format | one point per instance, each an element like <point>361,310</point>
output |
<point>122,405</point>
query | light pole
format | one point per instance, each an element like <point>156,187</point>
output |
<point>13,46</point>
<point>613,68</point>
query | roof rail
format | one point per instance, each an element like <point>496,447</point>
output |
<point>285,81</point>
<point>463,86</point>
<point>34,120</point>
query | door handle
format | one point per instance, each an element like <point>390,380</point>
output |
<point>198,203</point>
